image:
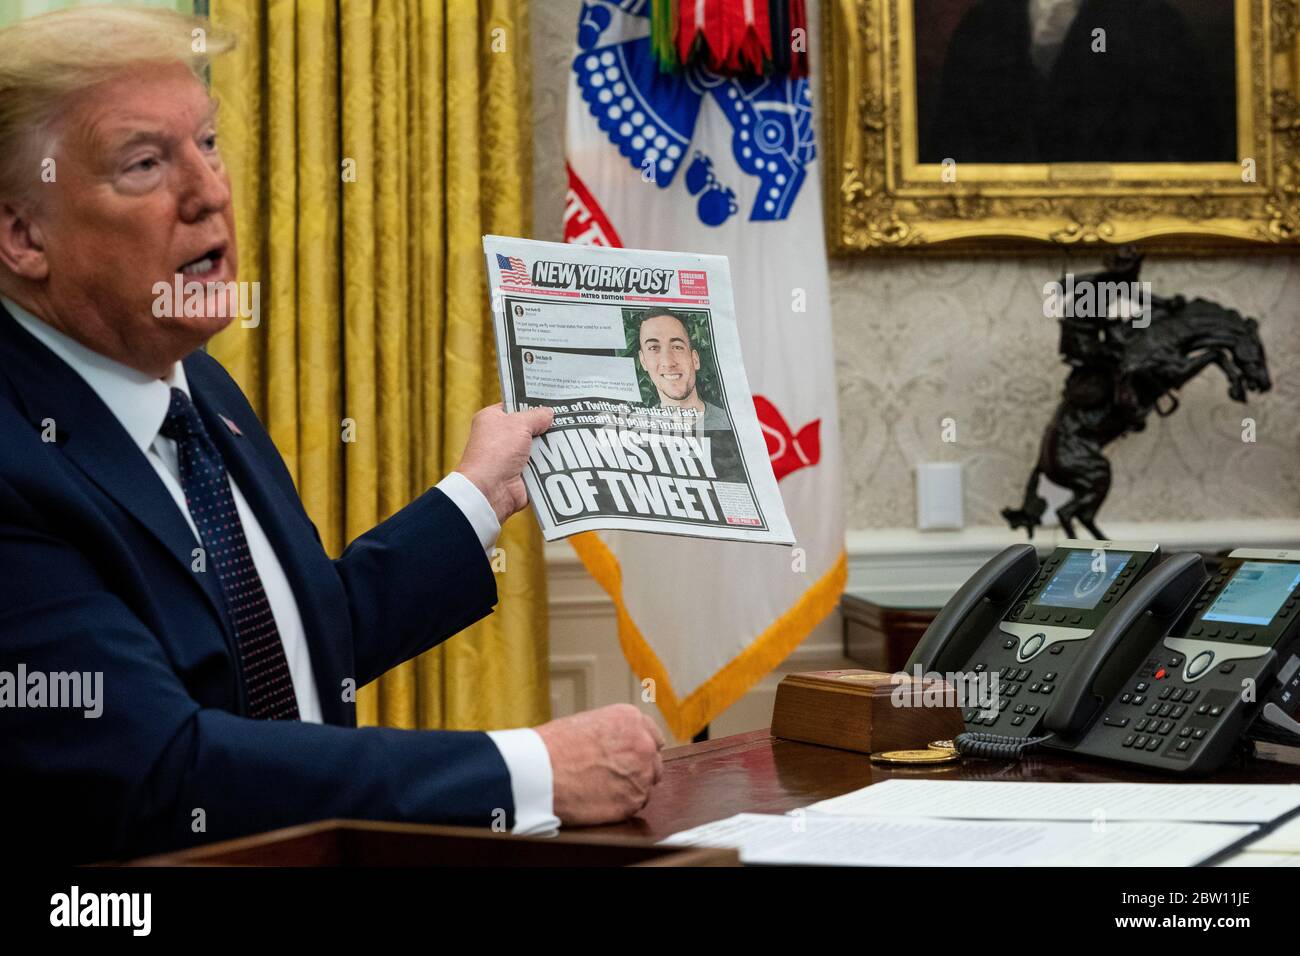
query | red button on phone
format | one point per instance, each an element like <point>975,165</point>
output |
<point>1160,674</point>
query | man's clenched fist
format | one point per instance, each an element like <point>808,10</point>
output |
<point>604,763</point>
<point>496,453</point>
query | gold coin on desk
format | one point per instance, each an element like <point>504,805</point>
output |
<point>943,745</point>
<point>916,756</point>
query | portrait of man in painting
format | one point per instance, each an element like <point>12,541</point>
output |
<point>1075,81</point>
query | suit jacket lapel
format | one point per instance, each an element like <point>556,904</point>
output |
<point>91,437</point>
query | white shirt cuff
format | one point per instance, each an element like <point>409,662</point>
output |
<point>474,506</point>
<point>531,783</point>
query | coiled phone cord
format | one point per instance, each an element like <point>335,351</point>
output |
<point>996,746</point>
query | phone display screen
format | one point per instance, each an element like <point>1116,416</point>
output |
<point>1254,593</point>
<point>1083,579</point>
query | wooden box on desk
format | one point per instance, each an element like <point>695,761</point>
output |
<point>859,710</point>
<point>368,843</point>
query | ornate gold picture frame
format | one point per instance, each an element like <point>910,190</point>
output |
<point>881,197</point>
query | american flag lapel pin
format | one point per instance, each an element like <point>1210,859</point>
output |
<point>234,429</point>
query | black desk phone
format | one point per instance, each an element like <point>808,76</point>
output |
<point>1175,675</point>
<point>1022,629</point>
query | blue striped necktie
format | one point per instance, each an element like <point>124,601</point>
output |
<point>212,507</point>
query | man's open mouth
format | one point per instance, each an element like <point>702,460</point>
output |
<point>204,264</point>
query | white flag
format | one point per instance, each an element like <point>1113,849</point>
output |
<point>695,162</point>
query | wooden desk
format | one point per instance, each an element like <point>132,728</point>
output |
<point>756,773</point>
<point>367,843</point>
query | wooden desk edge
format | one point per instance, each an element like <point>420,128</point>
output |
<point>735,741</point>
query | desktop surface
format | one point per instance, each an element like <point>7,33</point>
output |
<point>757,773</point>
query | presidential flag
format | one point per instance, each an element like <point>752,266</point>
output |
<point>695,161</point>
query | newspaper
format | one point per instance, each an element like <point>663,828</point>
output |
<point>638,353</point>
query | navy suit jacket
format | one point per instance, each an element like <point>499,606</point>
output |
<point>96,576</point>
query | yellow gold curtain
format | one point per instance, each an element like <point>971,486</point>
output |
<point>371,144</point>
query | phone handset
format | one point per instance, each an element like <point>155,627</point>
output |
<point>999,581</point>
<point>1114,649</point>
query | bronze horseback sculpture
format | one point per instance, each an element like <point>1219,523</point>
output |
<point>1122,369</point>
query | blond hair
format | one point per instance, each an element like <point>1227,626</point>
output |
<point>45,60</point>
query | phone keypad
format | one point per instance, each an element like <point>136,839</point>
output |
<point>1159,713</point>
<point>1012,681</point>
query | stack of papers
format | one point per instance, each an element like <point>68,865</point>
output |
<point>1099,802</point>
<point>958,823</point>
<point>898,841</point>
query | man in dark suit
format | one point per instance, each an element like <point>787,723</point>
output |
<point>178,655</point>
<point>1033,81</point>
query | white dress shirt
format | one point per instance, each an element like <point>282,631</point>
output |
<point>1049,22</point>
<point>140,403</point>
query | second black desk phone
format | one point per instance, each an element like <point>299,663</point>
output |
<point>1225,656</point>
<point>1124,657</point>
<point>1028,625</point>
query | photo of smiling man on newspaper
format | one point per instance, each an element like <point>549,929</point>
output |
<point>668,355</point>
<point>638,354</point>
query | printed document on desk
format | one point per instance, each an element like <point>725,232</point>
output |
<point>960,799</point>
<point>807,839</point>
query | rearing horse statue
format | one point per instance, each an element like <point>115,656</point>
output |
<point>1121,374</point>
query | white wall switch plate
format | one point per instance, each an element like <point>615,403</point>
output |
<point>938,496</point>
